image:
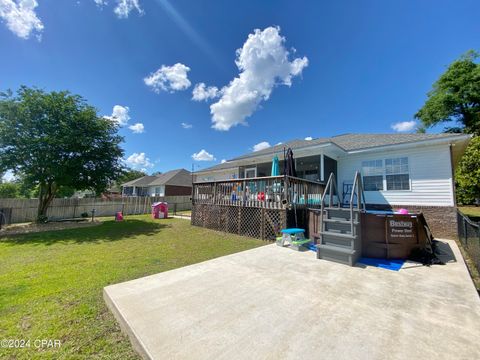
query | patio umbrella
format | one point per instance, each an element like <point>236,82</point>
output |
<point>289,168</point>
<point>275,166</point>
<point>290,171</point>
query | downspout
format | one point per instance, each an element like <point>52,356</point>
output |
<point>454,192</point>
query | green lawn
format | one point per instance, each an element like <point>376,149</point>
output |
<point>470,210</point>
<point>51,283</point>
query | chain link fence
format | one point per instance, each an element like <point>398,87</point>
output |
<point>469,235</point>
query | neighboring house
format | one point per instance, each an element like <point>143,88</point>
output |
<point>171,183</point>
<point>399,170</point>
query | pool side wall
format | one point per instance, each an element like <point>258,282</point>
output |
<point>442,220</point>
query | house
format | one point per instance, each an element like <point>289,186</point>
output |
<point>414,171</point>
<point>172,183</point>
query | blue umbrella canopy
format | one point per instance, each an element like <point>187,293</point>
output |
<point>275,166</point>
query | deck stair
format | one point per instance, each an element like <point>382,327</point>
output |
<point>340,227</point>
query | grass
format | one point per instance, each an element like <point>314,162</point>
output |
<point>51,283</point>
<point>473,211</point>
<point>184,212</point>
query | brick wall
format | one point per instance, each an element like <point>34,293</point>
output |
<point>442,220</point>
<point>174,190</point>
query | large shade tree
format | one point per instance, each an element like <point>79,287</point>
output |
<point>455,98</point>
<point>455,101</point>
<point>54,140</point>
<point>467,175</point>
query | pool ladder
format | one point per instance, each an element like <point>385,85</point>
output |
<point>340,228</point>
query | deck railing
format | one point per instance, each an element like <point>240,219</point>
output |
<point>273,192</point>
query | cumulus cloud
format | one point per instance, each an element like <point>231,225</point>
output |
<point>169,78</point>
<point>203,155</point>
<point>261,145</point>
<point>124,7</point>
<point>101,2</point>
<point>20,17</point>
<point>223,161</point>
<point>186,125</point>
<point>201,92</point>
<point>119,115</point>
<point>308,138</point>
<point>137,128</point>
<point>264,63</point>
<point>139,160</point>
<point>404,126</point>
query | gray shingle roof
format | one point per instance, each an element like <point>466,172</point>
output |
<point>348,142</point>
<point>179,177</point>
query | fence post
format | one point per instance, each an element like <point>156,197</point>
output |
<point>465,230</point>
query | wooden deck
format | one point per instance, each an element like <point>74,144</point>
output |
<point>257,207</point>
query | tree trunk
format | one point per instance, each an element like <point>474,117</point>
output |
<point>45,197</point>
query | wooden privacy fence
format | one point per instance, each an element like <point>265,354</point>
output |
<point>25,210</point>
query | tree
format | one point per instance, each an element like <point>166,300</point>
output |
<point>8,190</point>
<point>129,175</point>
<point>57,140</point>
<point>455,97</point>
<point>468,173</point>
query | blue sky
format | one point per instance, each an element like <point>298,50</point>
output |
<point>351,66</point>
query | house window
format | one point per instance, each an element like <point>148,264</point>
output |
<point>250,173</point>
<point>397,174</point>
<point>372,171</point>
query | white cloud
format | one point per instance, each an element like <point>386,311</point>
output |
<point>203,155</point>
<point>169,78</point>
<point>101,2</point>
<point>20,17</point>
<point>137,128</point>
<point>308,138</point>
<point>186,125</point>
<point>404,126</point>
<point>201,92</point>
<point>119,115</point>
<point>261,145</point>
<point>264,63</point>
<point>223,161</point>
<point>139,160</point>
<point>124,7</point>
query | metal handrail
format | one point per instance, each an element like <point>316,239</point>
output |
<point>357,189</point>
<point>329,189</point>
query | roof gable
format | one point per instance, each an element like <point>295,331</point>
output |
<point>178,177</point>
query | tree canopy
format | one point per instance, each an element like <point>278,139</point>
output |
<point>9,190</point>
<point>455,97</point>
<point>129,175</point>
<point>54,140</point>
<point>468,173</point>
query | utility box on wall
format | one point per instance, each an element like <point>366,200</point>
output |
<point>160,210</point>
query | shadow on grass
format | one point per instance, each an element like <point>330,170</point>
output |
<point>107,231</point>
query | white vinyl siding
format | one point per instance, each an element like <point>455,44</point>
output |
<point>430,176</point>
<point>226,174</point>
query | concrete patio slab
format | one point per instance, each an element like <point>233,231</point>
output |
<point>274,303</point>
